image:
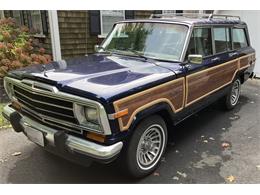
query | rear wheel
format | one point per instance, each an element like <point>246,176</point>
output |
<point>231,99</point>
<point>146,146</point>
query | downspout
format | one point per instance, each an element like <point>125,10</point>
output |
<point>55,34</point>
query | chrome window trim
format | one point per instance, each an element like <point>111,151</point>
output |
<point>55,93</point>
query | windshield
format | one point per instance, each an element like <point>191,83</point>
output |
<point>152,40</point>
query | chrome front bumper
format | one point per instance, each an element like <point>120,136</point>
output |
<point>72,143</point>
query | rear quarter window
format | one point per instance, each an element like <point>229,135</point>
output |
<point>239,38</point>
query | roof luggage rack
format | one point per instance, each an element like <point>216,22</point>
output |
<point>195,15</point>
<point>212,16</point>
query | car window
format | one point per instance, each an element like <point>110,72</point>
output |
<point>222,39</point>
<point>153,40</point>
<point>200,42</point>
<point>239,38</point>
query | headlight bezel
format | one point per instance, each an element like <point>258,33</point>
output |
<point>80,114</point>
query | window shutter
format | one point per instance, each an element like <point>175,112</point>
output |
<point>129,14</point>
<point>179,11</point>
<point>44,22</point>
<point>29,19</point>
<point>94,18</point>
<point>157,12</point>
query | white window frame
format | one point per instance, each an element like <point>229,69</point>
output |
<point>103,35</point>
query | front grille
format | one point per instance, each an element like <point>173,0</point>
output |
<point>50,110</point>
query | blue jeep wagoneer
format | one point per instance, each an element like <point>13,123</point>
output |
<point>145,77</point>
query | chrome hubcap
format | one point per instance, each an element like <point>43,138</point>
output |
<point>150,147</point>
<point>235,93</point>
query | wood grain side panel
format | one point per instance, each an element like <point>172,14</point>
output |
<point>171,93</point>
<point>244,61</point>
<point>205,82</point>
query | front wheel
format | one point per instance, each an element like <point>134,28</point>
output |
<point>231,99</point>
<point>146,146</point>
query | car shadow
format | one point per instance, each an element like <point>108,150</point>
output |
<point>186,146</point>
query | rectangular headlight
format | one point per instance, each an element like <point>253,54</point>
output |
<point>88,117</point>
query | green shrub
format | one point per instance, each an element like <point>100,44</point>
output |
<point>18,48</point>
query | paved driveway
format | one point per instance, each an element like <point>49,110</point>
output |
<point>195,153</point>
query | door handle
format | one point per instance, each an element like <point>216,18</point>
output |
<point>215,59</point>
<point>233,54</point>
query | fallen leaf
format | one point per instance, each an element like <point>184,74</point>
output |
<point>258,167</point>
<point>163,160</point>
<point>175,178</point>
<point>156,174</point>
<point>231,178</point>
<point>211,138</point>
<point>233,118</point>
<point>225,145</point>
<point>205,141</point>
<point>182,174</point>
<point>16,154</point>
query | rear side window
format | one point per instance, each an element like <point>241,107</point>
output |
<point>222,39</point>
<point>200,42</point>
<point>239,38</point>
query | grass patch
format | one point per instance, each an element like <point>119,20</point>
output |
<point>3,122</point>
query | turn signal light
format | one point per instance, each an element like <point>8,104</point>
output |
<point>16,105</point>
<point>121,113</point>
<point>96,137</point>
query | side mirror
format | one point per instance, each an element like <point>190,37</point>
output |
<point>195,59</point>
<point>96,48</point>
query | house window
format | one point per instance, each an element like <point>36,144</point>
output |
<point>168,11</point>
<point>32,19</point>
<point>17,17</point>
<point>108,18</point>
<point>37,22</point>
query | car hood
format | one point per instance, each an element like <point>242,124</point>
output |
<point>98,75</point>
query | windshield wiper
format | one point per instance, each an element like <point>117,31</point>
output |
<point>137,53</point>
<point>147,59</point>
